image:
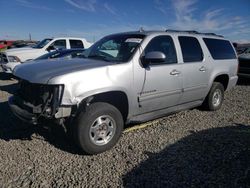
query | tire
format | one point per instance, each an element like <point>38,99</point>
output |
<point>215,97</point>
<point>98,128</point>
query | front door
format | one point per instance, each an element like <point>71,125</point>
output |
<point>162,86</point>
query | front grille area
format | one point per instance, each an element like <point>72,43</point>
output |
<point>35,94</point>
<point>3,58</point>
<point>38,98</point>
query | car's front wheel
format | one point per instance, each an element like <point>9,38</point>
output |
<point>98,128</point>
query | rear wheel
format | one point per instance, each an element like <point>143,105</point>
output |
<point>215,97</point>
<point>98,128</point>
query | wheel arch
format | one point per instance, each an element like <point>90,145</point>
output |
<point>223,79</point>
<point>117,98</point>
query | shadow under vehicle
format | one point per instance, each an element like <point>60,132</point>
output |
<point>217,157</point>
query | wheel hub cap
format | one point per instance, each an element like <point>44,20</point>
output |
<point>102,130</point>
<point>217,97</point>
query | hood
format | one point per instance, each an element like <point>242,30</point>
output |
<point>19,49</point>
<point>16,51</point>
<point>42,71</point>
<point>25,53</point>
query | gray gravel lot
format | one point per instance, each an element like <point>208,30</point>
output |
<point>192,148</point>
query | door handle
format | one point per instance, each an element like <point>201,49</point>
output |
<point>202,69</point>
<point>174,72</point>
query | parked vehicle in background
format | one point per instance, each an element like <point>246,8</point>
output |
<point>244,63</point>
<point>12,57</point>
<point>126,78</point>
<point>69,53</point>
<point>22,43</point>
<point>241,47</point>
<point>5,44</point>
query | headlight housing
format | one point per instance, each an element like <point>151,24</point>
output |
<point>14,59</point>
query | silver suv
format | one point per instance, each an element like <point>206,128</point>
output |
<point>126,78</point>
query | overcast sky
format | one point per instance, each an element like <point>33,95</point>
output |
<point>93,19</point>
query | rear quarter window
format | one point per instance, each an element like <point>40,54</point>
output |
<point>220,49</point>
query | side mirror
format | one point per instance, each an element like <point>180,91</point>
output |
<point>153,57</point>
<point>50,48</point>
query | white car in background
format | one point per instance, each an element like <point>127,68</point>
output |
<point>13,57</point>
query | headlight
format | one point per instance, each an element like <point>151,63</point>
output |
<point>60,92</point>
<point>13,59</point>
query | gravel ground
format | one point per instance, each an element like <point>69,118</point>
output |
<point>192,148</point>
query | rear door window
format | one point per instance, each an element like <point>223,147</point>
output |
<point>76,44</point>
<point>220,49</point>
<point>191,49</point>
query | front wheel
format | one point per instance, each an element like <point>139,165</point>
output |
<point>215,97</point>
<point>98,128</point>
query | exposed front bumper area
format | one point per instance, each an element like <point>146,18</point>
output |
<point>22,114</point>
<point>32,118</point>
<point>33,102</point>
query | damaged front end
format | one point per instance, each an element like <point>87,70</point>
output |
<point>32,102</point>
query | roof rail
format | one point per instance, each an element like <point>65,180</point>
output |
<point>192,32</point>
<point>213,34</point>
<point>182,31</point>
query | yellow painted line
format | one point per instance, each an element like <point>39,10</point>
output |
<point>137,127</point>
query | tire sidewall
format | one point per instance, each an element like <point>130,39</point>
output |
<point>85,121</point>
<point>215,87</point>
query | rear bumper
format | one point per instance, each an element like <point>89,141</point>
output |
<point>20,113</point>
<point>232,82</point>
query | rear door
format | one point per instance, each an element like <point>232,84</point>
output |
<point>162,82</point>
<point>195,70</point>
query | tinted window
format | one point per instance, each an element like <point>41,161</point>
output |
<point>76,44</point>
<point>191,49</point>
<point>220,49</point>
<point>165,45</point>
<point>59,44</point>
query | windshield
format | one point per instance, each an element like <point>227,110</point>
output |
<point>42,43</point>
<point>115,48</point>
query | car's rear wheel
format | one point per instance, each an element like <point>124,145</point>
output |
<point>98,128</point>
<point>215,97</point>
